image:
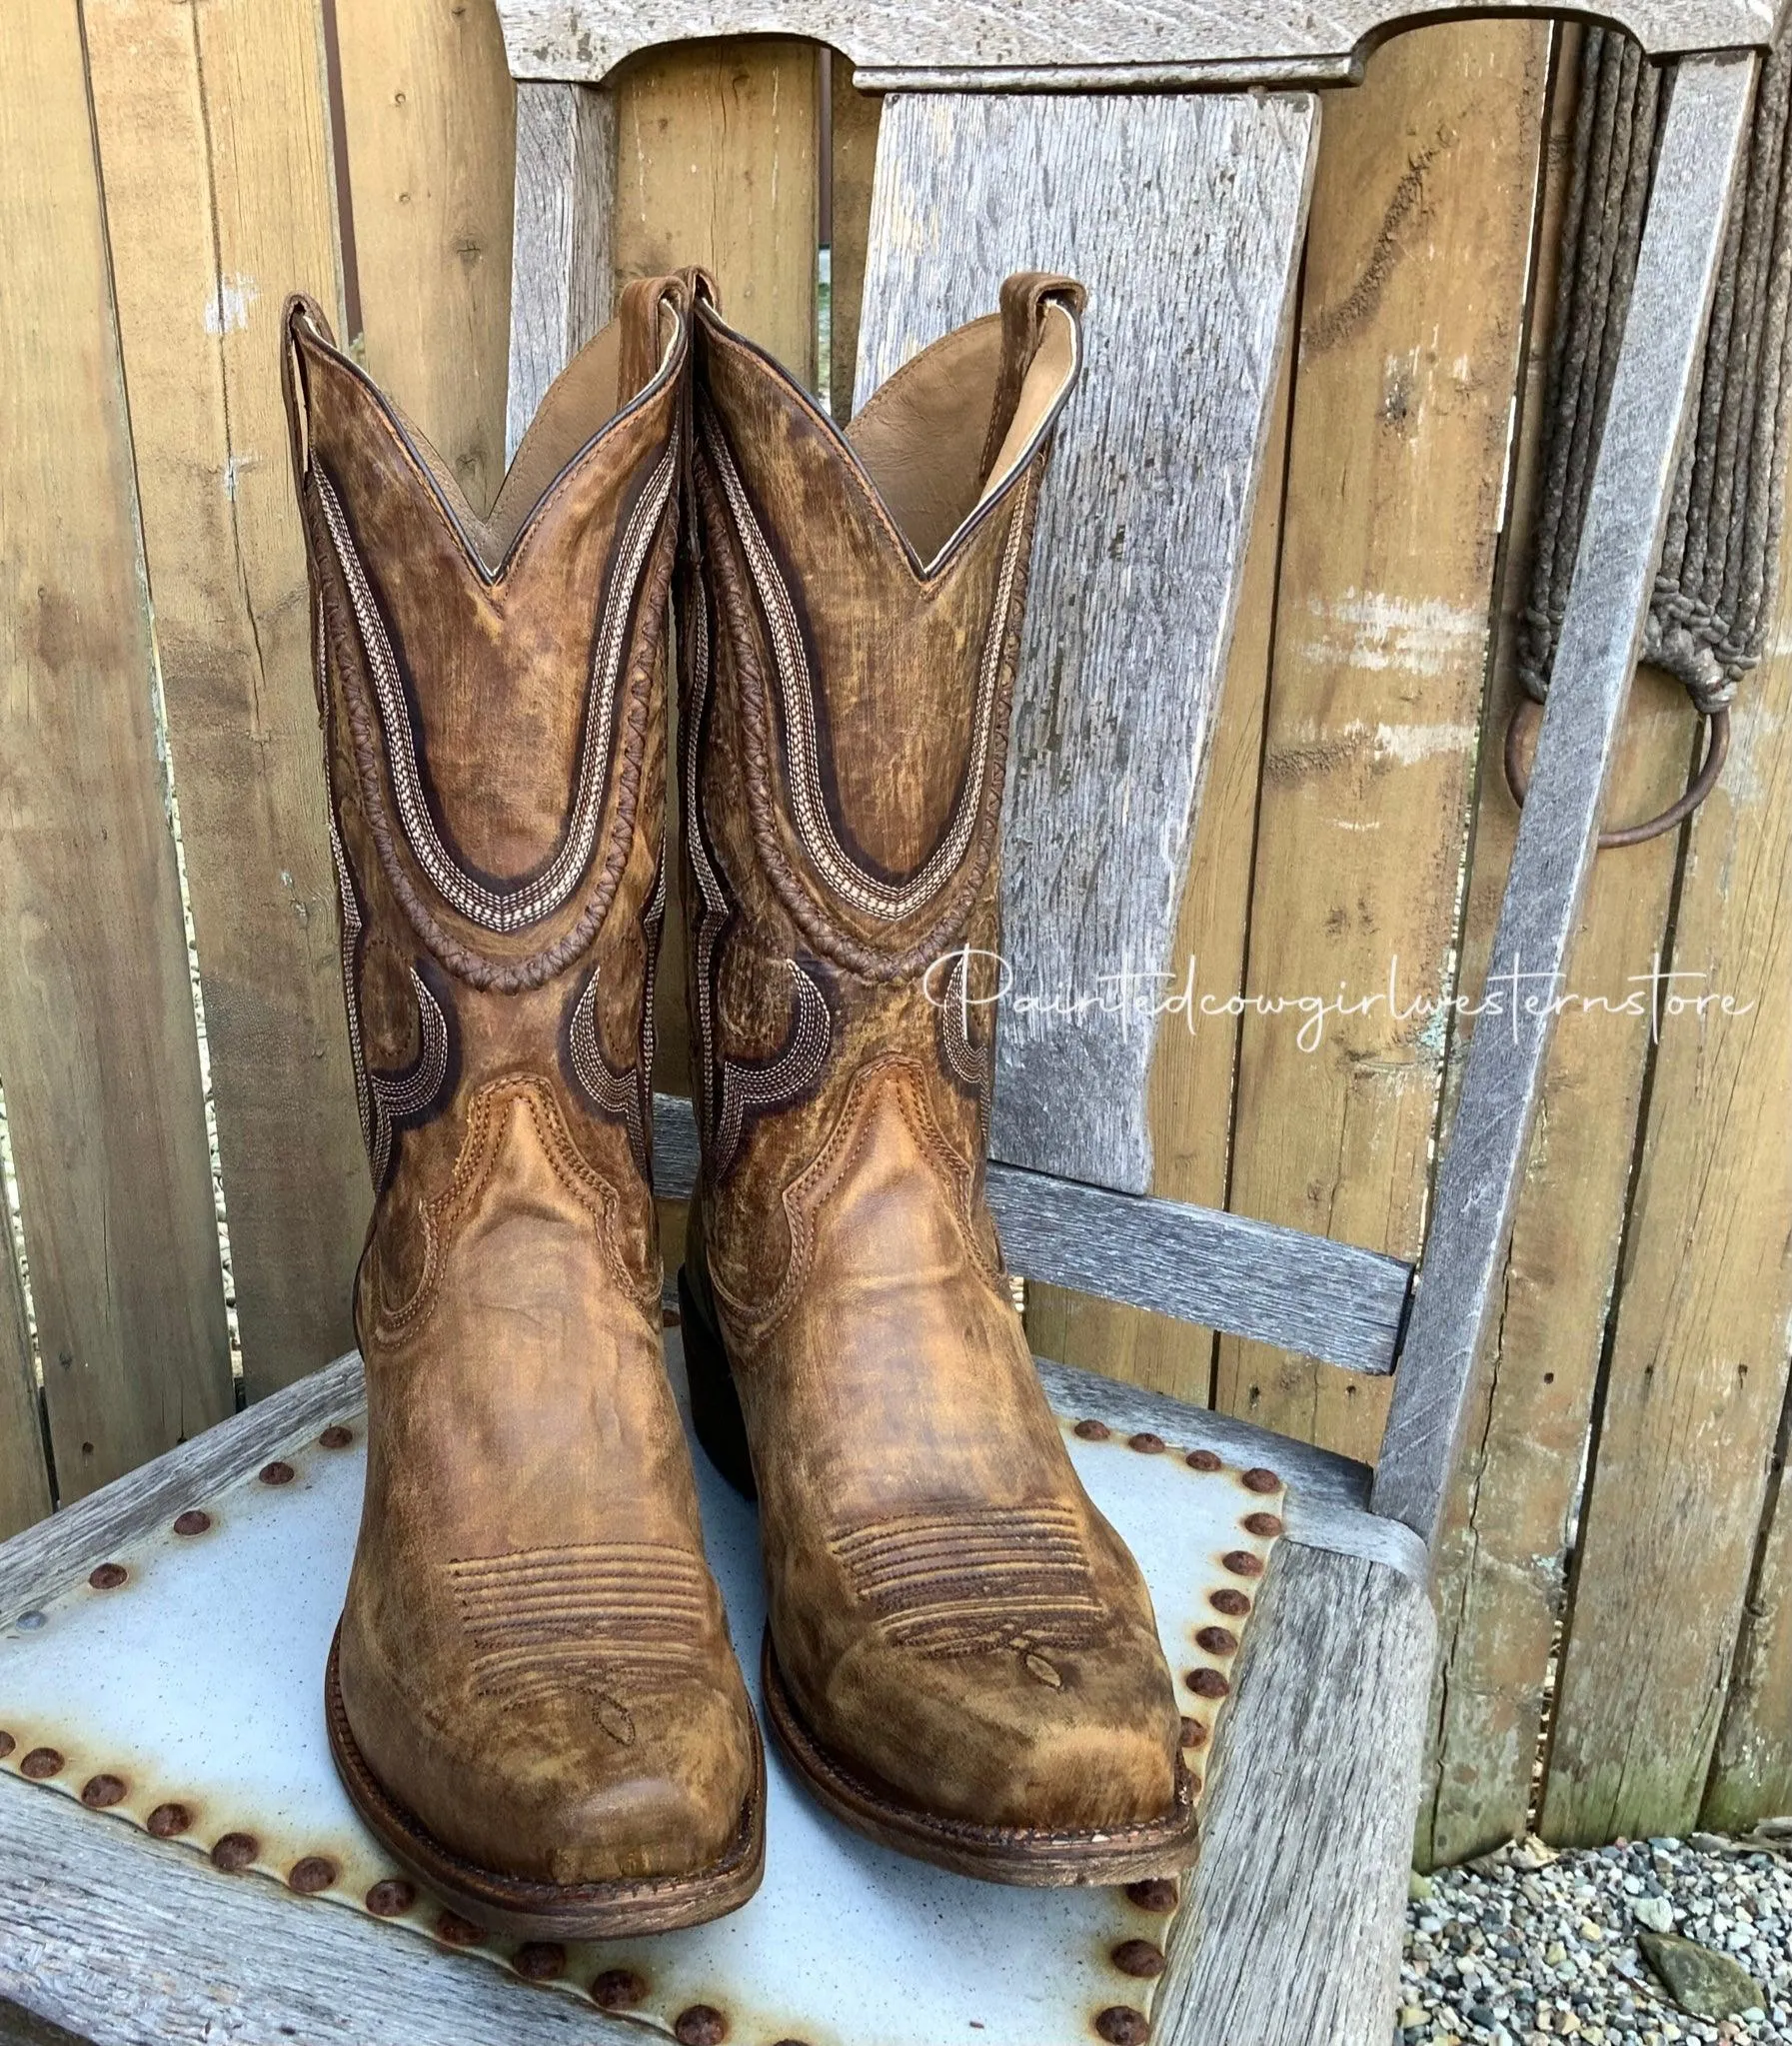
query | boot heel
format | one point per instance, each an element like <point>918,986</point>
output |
<point>715,1405</point>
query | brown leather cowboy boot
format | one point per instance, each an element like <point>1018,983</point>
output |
<point>962,1657</point>
<point>532,1697</point>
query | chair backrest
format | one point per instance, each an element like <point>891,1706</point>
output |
<point>1072,139</point>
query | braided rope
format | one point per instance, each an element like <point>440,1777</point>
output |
<point>1715,590</point>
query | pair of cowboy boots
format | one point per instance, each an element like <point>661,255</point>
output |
<point>533,1697</point>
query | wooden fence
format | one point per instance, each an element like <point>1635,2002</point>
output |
<point>169,169</point>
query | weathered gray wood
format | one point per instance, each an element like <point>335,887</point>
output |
<point>1600,640</point>
<point>1183,215</point>
<point>1327,1301</point>
<point>561,267</point>
<point>1297,1902</point>
<point>969,44</point>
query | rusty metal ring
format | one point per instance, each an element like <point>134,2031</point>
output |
<point>1717,750</point>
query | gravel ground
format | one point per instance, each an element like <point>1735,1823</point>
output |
<point>1527,1946</point>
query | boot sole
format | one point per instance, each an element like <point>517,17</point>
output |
<point>1031,1857</point>
<point>539,1910</point>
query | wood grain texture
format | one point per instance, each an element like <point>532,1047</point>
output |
<point>215,154</point>
<point>1751,1773</point>
<point>24,1475</point>
<point>1696,1379</point>
<point>563,254</point>
<point>1198,1264</point>
<point>1411,330</point>
<point>1478,1181</point>
<point>1189,1098</point>
<point>852,165</point>
<point>1108,42</point>
<point>1140,549</point>
<point>1503,1561</point>
<point>1261,1957</point>
<point>430,127</point>
<point>97,1039</point>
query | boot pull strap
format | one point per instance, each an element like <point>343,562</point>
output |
<point>638,318</point>
<point>1024,299</point>
<point>299,315</point>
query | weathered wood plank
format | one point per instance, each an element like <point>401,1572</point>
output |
<point>430,128</point>
<point>1140,546</point>
<point>1697,1372</point>
<point>1198,1264</point>
<point>1190,1102</point>
<point>215,153</point>
<point>24,1474</point>
<point>1751,1773</point>
<point>1478,1185</point>
<point>1091,42</point>
<point>1412,331</point>
<point>1262,1958</point>
<point>563,255</point>
<point>850,167</point>
<point>1502,1565</point>
<point>97,1040</point>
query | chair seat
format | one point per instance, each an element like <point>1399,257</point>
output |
<point>192,1679</point>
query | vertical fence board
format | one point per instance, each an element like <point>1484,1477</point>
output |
<point>1411,337</point>
<point>1192,1073</point>
<point>215,154</point>
<point>1696,1381</point>
<point>851,166</point>
<point>1503,1569</point>
<point>97,1042</point>
<point>428,114</point>
<point>717,163</point>
<point>24,1477</point>
<point>1751,1776</point>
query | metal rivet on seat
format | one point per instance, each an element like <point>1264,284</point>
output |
<point>702,2024</point>
<point>276,1473</point>
<point>7,1744</point>
<point>314,1873</point>
<point>390,1897</point>
<point>40,1763</point>
<point>169,1821</point>
<point>193,1521</point>
<point>236,1850</point>
<point>1233,1604</point>
<point>100,1794</point>
<point>336,1437</point>
<point>1202,1460</point>
<point>1154,1893</point>
<point>1092,1431</point>
<point>108,1577</point>
<point>1243,1563</point>
<point>1120,2025</point>
<point>1261,1481</point>
<point>1146,1443</point>
<point>453,1930</point>
<point>1217,1640</point>
<point>1139,1957</point>
<point>617,1989</point>
<point>1194,1734</point>
<point>540,1960</point>
<point>1207,1683</point>
<point>1265,1525</point>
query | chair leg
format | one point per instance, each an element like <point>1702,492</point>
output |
<point>1600,640</point>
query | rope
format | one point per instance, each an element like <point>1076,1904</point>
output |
<point>1714,595</point>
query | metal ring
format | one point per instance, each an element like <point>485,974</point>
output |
<point>1716,752</point>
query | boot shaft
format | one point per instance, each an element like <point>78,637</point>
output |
<point>492,694</point>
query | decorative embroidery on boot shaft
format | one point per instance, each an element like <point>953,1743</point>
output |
<point>734,1094</point>
<point>626,1097</point>
<point>839,872</point>
<point>527,902</point>
<point>975,1580</point>
<point>971,1065</point>
<point>601,1618</point>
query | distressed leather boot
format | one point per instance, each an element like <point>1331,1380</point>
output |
<point>961,1658</point>
<point>532,1697</point>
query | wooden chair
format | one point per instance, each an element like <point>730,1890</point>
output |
<point>1137,149</point>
